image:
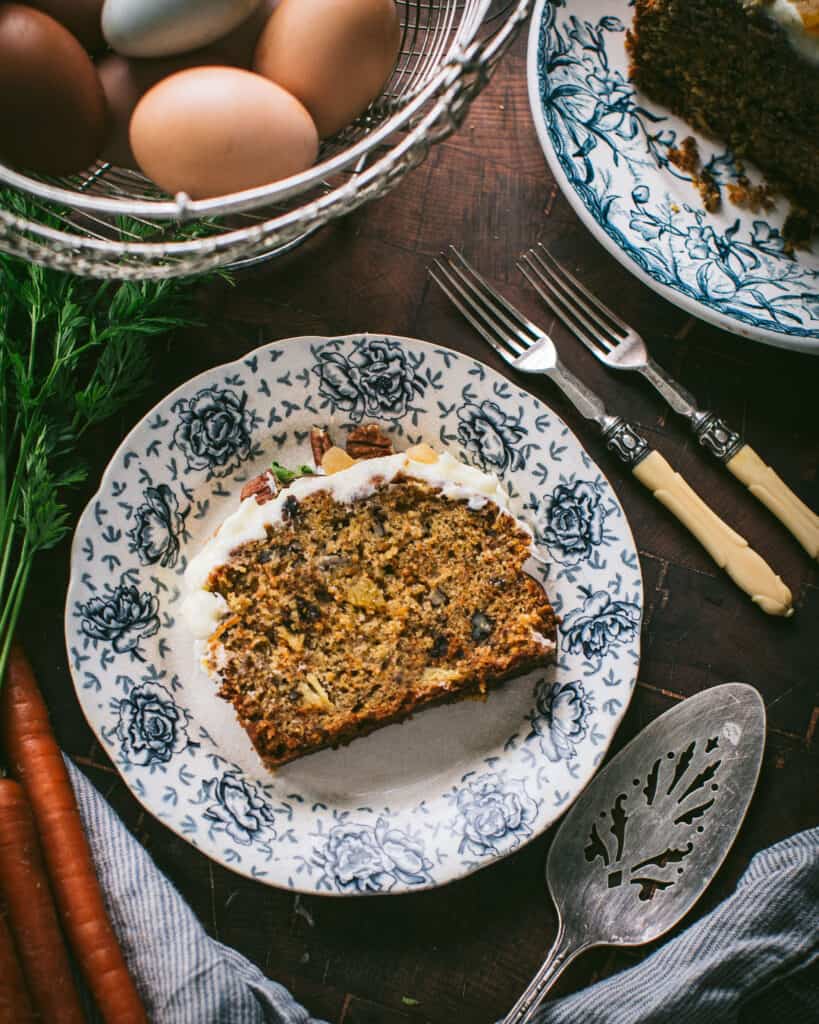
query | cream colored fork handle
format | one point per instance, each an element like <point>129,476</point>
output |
<point>730,551</point>
<point>775,494</point>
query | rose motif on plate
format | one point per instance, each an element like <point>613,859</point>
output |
<point>599,624</point>
<point>363,858</point>
<point>570,521</point>
<point>122,619</point>
<point>492,813</point>
<point>214,430</point>
<point>152,727</point>
<point>491,436</point>
<point>377,380</point>
<point>237,810</point>
<point>158,524</point>
<point>561,718</point>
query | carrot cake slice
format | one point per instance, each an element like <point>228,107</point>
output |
<point>746,71</point>
<point>354,597</point>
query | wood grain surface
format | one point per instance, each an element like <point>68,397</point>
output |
<point>464,952</point>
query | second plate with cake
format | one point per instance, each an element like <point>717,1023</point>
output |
<point>624,163</point>
<point>412,805</point>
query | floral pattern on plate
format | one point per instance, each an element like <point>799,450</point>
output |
<point>152,727</point>
<point>608,146</point>
<point>361,858</point>
<point>494,815</point>
<point>412,806</point>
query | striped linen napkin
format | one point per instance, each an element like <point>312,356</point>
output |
<point>754,958</point>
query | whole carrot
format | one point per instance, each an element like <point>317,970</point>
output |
<point>34,757</point>
<point>31,913</point>
<point>15,1005</point>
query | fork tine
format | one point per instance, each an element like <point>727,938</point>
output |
<point>602,332</point>
<point>563,310</point>
<point>506,331</point>
<point>527,332</point>
<point>456,294</point>
<point>593,299</point>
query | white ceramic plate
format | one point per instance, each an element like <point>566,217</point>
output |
<point>607,146</point>
<point>413,805</point>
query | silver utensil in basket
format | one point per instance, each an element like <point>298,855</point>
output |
<point>114,223</point>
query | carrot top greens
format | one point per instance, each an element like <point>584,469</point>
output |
<point>72,352</point>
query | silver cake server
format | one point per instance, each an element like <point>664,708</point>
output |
<point>642,842</point>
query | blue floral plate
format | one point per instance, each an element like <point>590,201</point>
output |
<point>413,805</point>
<point>607,146</point>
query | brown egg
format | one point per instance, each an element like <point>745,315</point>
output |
<point>83,18</point>
<point>333,55</point>
<point>214,130</point>
<point>125,80</point>
<point>52,109</point>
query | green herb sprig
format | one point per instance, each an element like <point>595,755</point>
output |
<point>72,352</point>
<point>286,476</point>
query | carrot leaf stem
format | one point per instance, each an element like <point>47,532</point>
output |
<point>12,612</point>
<point>73,351</point>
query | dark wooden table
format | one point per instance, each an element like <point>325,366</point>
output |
<point>464,952</point>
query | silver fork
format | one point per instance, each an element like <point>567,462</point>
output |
<point>620,347</point>
<point>529,349</point>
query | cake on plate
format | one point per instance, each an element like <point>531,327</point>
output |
<point>745,71</point>
<point>336,602</point>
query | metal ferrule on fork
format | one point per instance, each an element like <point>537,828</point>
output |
<point>622,439</point>
<point>714,434</point>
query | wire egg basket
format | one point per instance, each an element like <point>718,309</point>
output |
<point>109,222</point>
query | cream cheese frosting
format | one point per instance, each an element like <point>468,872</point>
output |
<point>800,21</point>
<point>204,610</point>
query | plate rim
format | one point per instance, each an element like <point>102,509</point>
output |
<point>682,301</point>
<point>457,873</point>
